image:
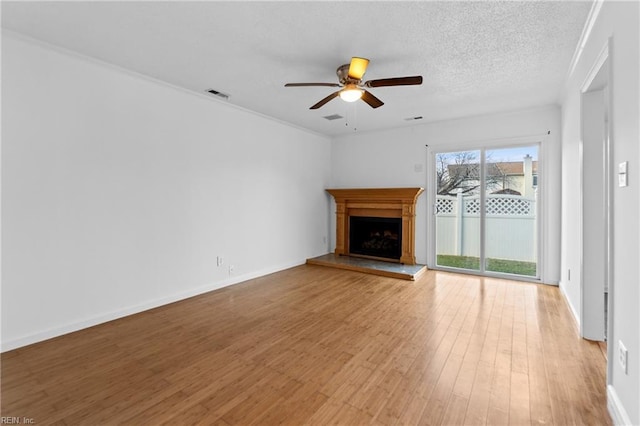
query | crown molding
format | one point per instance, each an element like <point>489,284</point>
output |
<point>584,37</point>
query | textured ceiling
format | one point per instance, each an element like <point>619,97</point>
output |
<point>475,57</point>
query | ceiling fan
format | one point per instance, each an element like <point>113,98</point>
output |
<point>350,79</point>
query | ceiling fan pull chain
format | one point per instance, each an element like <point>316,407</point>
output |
<point>352,112</point>
<point>355,117</point>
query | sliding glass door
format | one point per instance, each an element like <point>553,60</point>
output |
<point>486,217</point>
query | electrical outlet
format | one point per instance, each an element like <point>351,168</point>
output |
<point>220,261</point>
<point>231,269</point>
<point>622,356</point>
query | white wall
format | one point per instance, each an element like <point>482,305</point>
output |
<point>621,22</point>
<point>398,158</point>
<point>118,193</point>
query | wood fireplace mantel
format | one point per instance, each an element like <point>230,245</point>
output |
<point>377,202</point>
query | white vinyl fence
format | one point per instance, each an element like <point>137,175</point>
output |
<point>510,226</point>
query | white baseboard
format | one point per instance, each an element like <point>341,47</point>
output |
<point>617,412</point>
<point>120,313</point>
<point>574,313</point>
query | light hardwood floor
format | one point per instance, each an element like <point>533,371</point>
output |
<point>315,345</point>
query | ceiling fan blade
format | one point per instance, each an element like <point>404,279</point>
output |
<point>371,100</point>
<point>397,81</point>
<point>311,84</point>
<point>325,100</point>
<point>358,67</point>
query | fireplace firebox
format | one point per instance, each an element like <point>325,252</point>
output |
<point>375,236</point>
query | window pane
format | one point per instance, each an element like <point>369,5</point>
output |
<point>511,178</point>
<point>458,210</point>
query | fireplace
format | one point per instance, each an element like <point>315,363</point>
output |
<point>375,236</point>
<point>384,206</point>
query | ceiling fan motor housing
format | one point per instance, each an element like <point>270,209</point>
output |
<point>343,75</point>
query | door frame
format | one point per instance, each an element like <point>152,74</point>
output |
<point>595,81</point>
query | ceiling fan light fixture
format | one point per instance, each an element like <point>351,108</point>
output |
<point>358,67</point>
<point>351,93</point>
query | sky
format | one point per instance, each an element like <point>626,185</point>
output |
<point>513,154</point>
<point>498,154</point>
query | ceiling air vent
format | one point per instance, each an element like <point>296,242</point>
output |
<point>333,117</point>
<point>218,94</point>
